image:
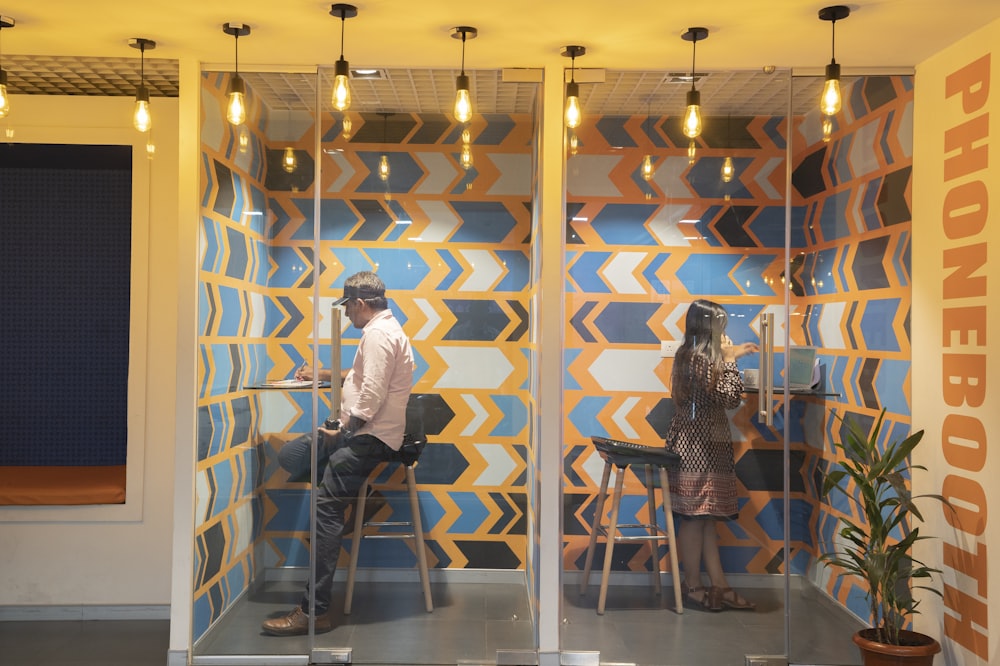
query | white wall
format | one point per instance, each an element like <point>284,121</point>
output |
<point>955,324</point>
<point>74,557</point>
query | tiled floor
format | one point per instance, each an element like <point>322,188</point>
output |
<point>469,624</point>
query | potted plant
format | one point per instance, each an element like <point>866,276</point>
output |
<point>877,548</point>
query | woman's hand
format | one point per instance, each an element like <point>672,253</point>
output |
<point>731,352</point>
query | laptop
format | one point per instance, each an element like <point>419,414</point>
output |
<point>802,368</point>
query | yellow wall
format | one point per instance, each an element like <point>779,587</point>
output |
<point>955,318</point>
<point>119,555</point>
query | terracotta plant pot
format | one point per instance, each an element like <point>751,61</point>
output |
<point>917,650</point>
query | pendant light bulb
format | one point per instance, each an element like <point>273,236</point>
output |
<point>150,148</point>
<point>647,167</point>
<point>573,112</point>
<point>692,151</point>
<point>728,169</point>
<point>236,106</point>
<point>466,156</point>
<point>141,118</point>
<point>574,143</point>
<point>383,167</point>
<point>463,98</point>
<point>289,162</point>
<point>466,136</point>
<point>692,115</point>
<point>345,127</point>
<point>827,128</point>
<point>830,101</point>
<point>5,22</point>
<point>340,97</point>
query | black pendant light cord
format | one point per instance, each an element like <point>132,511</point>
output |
<point>694,48</point>
<point>343,20</point>
<point>833,41</point>
<point>463,53</point>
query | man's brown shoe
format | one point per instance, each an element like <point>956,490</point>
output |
<point>295,623</point>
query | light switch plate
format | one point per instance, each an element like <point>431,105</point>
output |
<point>668,348</point>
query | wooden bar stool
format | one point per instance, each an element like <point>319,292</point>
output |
<point>367,529</point>
<point>622,455</point>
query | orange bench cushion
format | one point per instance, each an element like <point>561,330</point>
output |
<point>60,486</point>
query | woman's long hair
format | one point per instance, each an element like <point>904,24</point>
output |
<point>703,328</point>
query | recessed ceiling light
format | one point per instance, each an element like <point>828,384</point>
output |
<point>367,74</point>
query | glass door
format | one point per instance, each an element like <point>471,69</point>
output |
<point>702,229</point>
<point>850,295</point>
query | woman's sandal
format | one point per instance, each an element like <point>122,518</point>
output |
<point>721,598</point>
<point>696,598</point>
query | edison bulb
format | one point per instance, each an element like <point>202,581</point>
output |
<point>383,167</point>
<point>341,97</point>
<point>142,120</point>
<point>466,158</point>
<point>827,128</point>
<point>728,170</point>
<point>463,100</point>
<point>830,102</point>
<point>243,138</point>
<point>345,127</point>
<point>647,167</point>
<point>692,151</point>
<point>289,162</point>
<point>236,110</point>
<point>692,121</point>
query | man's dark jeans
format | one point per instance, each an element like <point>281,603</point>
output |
<point>350,464</point>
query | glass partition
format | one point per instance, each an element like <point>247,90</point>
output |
<point>851,230</point>
<point>441,212</point>
<point>642,245</point>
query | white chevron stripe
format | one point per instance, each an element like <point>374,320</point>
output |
<point>763,181</point>
<point>433,319</point>
<point>486,270</point>
<point>499,465</point>
<point>347,171</point>
<point>620,417</point>
<point>673,321</point>
<point>473,368</point>
<point>593,467</point>
<point>669,176</point>
<point>441,173</point>
<point>277,411</point>
<point>443,221</point>
<point>258,311</point>
<point>202,496</point>
<point>631,370</point>
<point>244,518</point>
<point>480,414</point>
<point>663,226</point>
<point>514,170</point>
<point>620,273</point>
<point>829,325</point>
<point>590,175</point>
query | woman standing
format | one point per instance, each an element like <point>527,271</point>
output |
<point>705,382</point>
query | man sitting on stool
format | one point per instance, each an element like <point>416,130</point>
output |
<point>373,414</point>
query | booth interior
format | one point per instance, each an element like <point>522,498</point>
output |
<point>811,226</point>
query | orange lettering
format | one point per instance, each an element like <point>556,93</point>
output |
<point>973,565</point>
<point>973,81</point>
<point>970,159</point>
<point>964,321</point>
<point>963,440</point>
<point>969,610</point>
<point>966,261</point>
<point>968,504</point>
<point>966,209</point>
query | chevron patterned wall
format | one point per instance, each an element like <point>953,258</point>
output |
<point>452,245</point>
<point>638,252</point>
